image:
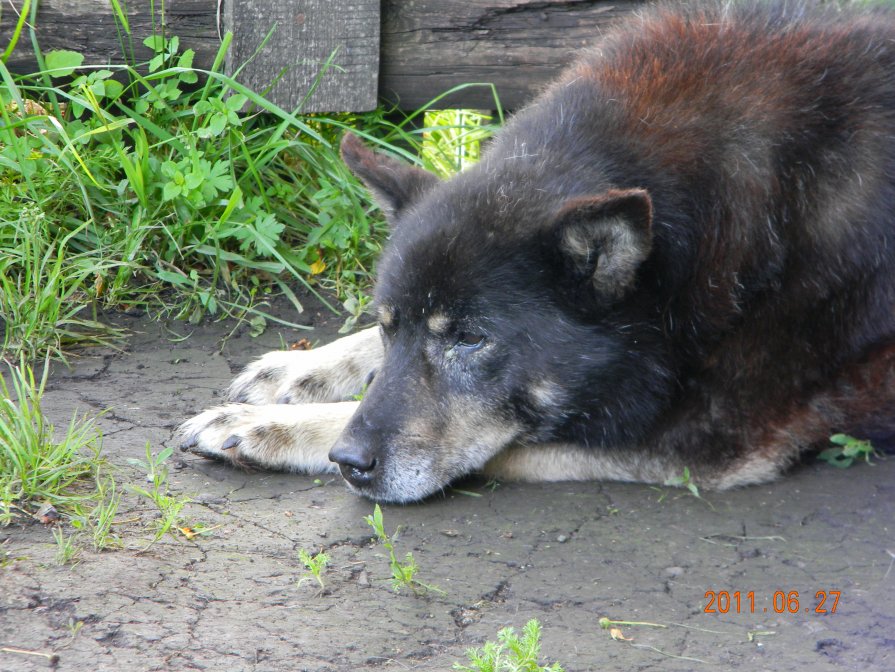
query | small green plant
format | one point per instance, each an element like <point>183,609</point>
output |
<point>356,306</point>
<point>99,519</point>
<point>74,627</point>
<point>403,574</point>
<point>684,481</point>
<point>510,653</point>
<point>315,564</point>
<point>846,450</point>
<point>169,506</point>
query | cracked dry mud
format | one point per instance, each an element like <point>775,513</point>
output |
<point>566,554</point>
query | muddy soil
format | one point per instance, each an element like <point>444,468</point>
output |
<point>566,554</point>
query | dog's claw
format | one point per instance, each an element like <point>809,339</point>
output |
<point>230,442</point>
<point>187,443</point>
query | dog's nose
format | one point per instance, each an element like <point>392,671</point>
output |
<point>357,464</point>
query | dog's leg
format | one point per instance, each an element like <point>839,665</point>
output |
<point>269,425</point>
<point>271,436</point>
<point>333,372</point>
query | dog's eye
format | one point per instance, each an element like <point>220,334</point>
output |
<point>470,341</point>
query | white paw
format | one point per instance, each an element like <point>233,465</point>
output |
<point>333,372</point>
<point>271,436</point>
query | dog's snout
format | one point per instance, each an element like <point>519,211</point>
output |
<point>348,454</point>
<point>356,462</point>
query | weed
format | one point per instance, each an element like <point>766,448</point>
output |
<point>846,450</point>
<point>34,466</point>
<point>510,653</point>
<point>74,627</point>
<point>403,574</point>
<point>684,481</point>
<point>315,564</point>
<point>356,305</point>
<point>169,506</point>
<point>44,288</point>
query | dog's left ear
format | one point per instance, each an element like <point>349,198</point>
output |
<point>606,237</point>
<point>394,185</point>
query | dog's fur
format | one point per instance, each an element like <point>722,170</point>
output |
<point>681,255</point>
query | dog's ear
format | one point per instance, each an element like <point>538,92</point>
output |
<point>606,238</point>
<point>394,185</point>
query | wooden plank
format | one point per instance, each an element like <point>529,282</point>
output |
<point>427,46</point>
<point>306,34</point>
<point>90,27</point>
<point>431,46</point>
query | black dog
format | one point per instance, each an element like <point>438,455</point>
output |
<point>681,255</point>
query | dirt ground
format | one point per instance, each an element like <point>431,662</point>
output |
<point>566,554</point>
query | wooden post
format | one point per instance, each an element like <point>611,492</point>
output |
<point>323,55</point>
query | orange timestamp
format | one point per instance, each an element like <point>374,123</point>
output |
<point>781,602</point>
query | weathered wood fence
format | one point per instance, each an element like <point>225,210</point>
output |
<point>401,51</point>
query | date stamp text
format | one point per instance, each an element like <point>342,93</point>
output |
<point>780,602</point>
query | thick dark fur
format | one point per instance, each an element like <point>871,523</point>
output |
<point>681,255</point>
<point>763,317</point>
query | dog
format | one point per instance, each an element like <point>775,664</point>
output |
<point>681,256</point>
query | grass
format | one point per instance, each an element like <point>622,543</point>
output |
<point>180,192</point>
<point>63,478</point>
<point>44,290</point>
<point>67,551</point>
<point>99,518</point>
<point>35,467</point>
<point>510,653</point>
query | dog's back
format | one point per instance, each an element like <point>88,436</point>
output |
<point>765,136</point>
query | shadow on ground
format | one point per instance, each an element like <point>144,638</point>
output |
<point>566,554</point>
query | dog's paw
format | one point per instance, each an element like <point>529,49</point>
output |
<point>288,438</point>
<point>333,372</point>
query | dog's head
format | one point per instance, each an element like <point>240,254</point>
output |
<point>495,299</point>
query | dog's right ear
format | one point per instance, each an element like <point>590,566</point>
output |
<point>394,185</point>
